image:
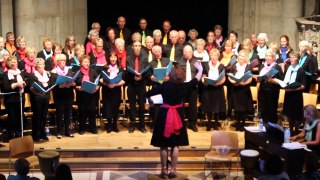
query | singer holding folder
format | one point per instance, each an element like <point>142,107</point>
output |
<point>39,101</point>
<point>214,101</point>
<point>241,93</point>
<point>293,100</point>
<point>111,93</point>
<point>269,90</point>
<point>63,96</point>
<point>87,102</point>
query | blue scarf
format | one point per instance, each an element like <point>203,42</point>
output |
<point>308,130</point>
<point>284,53</point>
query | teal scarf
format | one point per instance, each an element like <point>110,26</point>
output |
<point>308,130</point>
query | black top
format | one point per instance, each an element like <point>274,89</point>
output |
<point>166,51</point>
<point>143,63</point>
<point>182,63</point>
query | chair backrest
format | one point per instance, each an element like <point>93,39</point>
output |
<point>227,138</point>
<point>254,93</point>
<point>309,98</point>
<point>281,96</point>
<point>21,147</point>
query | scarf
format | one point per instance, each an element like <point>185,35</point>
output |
<point>213,70</point>
<point>218,41</point>
<point>291,74</point>
<point>283,52</point>
<point>17,72</point>
<point>101,58</point>
<point>29,65</point>
<point>89,47</point>
<point>22,53</point>
<point>226,58</point>
<point>308,129</point>
<point>3,64</point>
<point>173,120</point>
<point>113,69</point>
<point>42,78</point>
<point>63,71</point>
<point>262,51</point>
<point>302,59</point>
<point>47,55</point>
<point>240,70</point>
<point>70,53</point>
<point>85,73</point>
<point>266,68</point>
<point>123,59</point>
<point>75,58</point>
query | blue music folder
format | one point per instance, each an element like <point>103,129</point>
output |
<point>65,79</point>
<point>268,75</point>
<point>39,89</point>
<point>212,82</point>
<point>160,73</point>
<point>132,71</point>
<point>74,67</point>
<point>114,80</point>
<point>89,87</point>
<point>233,60</point>
<point>245,77</point>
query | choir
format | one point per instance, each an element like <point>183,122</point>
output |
<point>105,68</point>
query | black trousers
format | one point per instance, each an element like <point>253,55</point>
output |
<point>40,112</point>
<point>137,90</point>
<point>192,112</point>
<point>91,116</point>
<point>64,109</point>
<point>14,116</point>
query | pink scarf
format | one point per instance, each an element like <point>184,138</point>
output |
<point>12,73</point>
<point>101,58</point>
<point>63,71</point>
<point>266,68</point>
<point>29,66</point>
<point>22,53</point>
<point>173,121</point>
<point>42,78</point>
<point>89,47</point>
<point>85,73</point>
<point>113,69</point>
<point>3,64</point>
<point>218,41</point>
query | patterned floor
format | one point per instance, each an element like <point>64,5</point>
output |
<point>139,175</point>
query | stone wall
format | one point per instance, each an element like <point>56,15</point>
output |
<point>274,17</point>
<point>38,19</point>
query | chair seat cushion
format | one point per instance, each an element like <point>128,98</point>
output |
<point>215,156</point>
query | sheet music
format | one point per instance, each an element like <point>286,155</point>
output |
<point>255,129</point>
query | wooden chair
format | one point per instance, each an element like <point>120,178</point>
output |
<point>309,98</point>
<point>254,94</point>
<point>222,138</point>
<point>22,147</point>
<point>281,100</point>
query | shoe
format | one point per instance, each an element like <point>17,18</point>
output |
<point>142,129</point>
<point>59,136</point>
<point>81,132</point>
<point>44,138</point>
<point>193,127</point>
<point>131,129</point>
<point>115,129</point>
<point>69,135</point>
<point>164,173</point>
<point>172,175</point>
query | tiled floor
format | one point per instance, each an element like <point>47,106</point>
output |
<point>138,175</point>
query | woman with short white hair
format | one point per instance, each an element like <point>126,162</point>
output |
<point>305,62</point>
<point>262,46</point>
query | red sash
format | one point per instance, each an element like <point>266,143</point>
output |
<point>173,121</point>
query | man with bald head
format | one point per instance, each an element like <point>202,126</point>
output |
<point>173,50</point>
<point>186,63</point>
<point>182,38</point>
<point>123,32</point>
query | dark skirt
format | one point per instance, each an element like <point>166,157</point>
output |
<point>268,102</point>
<point>158,138</point>
<point>214,100</point>
<point>293,105</point>
<point>111,99</point>
<point>242,98</point>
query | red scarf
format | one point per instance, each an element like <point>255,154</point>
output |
<point>123,59</point>
<point>173,121</point>
<point>85,73</point>
<point>89,47</point>
<point>22,53</point>
<point>53,61</point>
<point>29,66</point>
<point>101,58</point>
<point>3,64</point>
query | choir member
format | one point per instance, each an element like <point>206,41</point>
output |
<point>111,93</point>
<point>63,96</point>
<point>241,93</point>
<point>14,80</point>
<point>39,101</point>
<point>293,100</point>
<point>137,85</point>
<point>268,93</point>
<point>186,63</point>
<point>170,129</point>
<point>46,54</point>
<point>87,102</point>
<point>69,46</point>
<point>214,101</point>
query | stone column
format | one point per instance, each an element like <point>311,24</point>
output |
<point>6,17</point>
<point>39,19</point>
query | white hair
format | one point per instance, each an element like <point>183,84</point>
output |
<point>304,43</point>
<point>156,31</point>
<point>263,36</point>
<point>119,41</point>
